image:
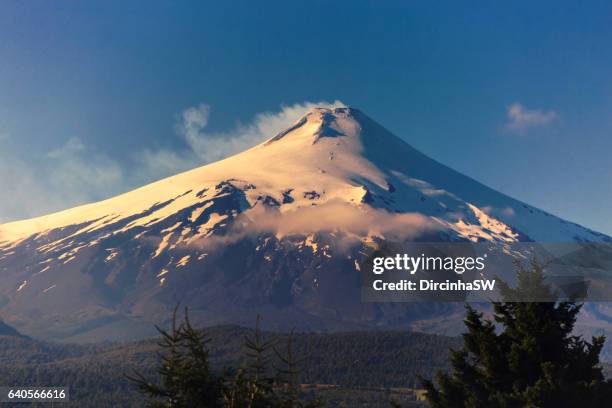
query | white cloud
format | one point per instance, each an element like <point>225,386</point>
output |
<point>347,221</point>
<point>520,119</point>
<point>22,193</point>
<point>73,174</point>
<point>73,146</point>
<point>206,147</point>
<point>210,147</point>
<point>151,164</point>
<point>66,176</point>
<point>81,175</point>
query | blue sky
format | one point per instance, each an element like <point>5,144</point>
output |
<point>517,95</point>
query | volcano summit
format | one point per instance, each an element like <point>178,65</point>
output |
<point>276,230</point>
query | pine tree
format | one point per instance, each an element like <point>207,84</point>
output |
<point>256,385</point>
<point>527,358</point>
<point>253,383</point>
<point>287,378</point>
<point>186,377</point>
<point>187,380</point>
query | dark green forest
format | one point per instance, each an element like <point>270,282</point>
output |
<point>344,369</point>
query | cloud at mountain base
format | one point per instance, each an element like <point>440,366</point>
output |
<point>333,216</point>
<point>352,223</point>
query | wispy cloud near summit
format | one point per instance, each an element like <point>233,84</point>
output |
<point>205,146</point>
<point>73,173</point>
<point>210,147</point>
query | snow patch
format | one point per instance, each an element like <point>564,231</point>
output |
<point>183,261</point>
<point>49,288</point>
<point>23,285</point>
<point>112,254</point>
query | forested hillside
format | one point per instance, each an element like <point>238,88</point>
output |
<point>361,362</point>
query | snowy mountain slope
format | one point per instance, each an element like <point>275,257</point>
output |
<point>274,228</point>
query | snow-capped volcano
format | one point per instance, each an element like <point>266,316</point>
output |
<point>258,230</point>
<point>326,155</point>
